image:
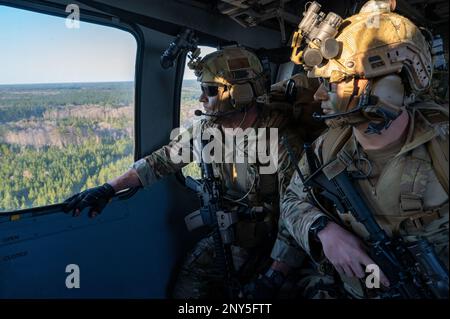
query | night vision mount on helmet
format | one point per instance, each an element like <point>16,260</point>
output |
<point>236,69</point>
<point>373,44</point>
<point>315,39</point>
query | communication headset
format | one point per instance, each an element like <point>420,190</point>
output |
<point>247,85</point>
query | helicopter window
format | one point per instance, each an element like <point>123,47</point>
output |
<point>66,106</point>
<point>190,93</point>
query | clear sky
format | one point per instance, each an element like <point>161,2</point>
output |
<point>38,48</point>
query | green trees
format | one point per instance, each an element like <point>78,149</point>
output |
<point>27,101</point>
<point>31,177</point>
<point>100,148</point>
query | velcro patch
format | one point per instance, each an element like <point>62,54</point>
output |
<point>238,63</point>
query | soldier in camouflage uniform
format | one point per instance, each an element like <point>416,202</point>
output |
<point>231,79</point>
<point>397,145</point>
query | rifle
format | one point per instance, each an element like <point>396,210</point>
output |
<point>413,269</point>
<point>212,214</point>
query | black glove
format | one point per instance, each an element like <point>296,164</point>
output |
<point>96,198</point>
<point>265,286</point>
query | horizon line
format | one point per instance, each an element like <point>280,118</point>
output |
<point>89,82</point>
<point>47,83</point>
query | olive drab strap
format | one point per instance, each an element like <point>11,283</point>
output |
<point>414,180</point>
<point>438,150</point>
<point>413,185</point>
<point>425,160</point>
<point>333,142</point>
<point>438,147</point>
<point>419,163</point>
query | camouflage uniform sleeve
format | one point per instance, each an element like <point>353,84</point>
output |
<point>298,214</point>
<point>167,160</point>
<point>286,249</point>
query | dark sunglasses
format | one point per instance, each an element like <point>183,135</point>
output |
<point>210,90</point>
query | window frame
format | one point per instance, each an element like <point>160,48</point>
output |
<point>181,65</point>
<point>89,16</point>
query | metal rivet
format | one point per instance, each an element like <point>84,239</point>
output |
<point>350,64</point>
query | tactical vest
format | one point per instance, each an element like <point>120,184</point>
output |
<point>243,183</point>
<point>401,208</point>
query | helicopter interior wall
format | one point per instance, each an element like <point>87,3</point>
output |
<point>132,249</point>
<point>211,23</point>
<point>128,252</point>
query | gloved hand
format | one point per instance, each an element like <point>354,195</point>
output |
<point>96,198</point>
<point>265,286</point>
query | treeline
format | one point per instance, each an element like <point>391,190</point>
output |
<point>26,101</point>
<point>32,176</point>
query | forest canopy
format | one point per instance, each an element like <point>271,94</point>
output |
<point>59,139</point>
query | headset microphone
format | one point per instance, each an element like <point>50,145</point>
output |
<point>320,117</point>
<point>200,113</point>
<point>219,114</point>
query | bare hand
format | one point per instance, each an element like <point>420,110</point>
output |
<point>346,252</point>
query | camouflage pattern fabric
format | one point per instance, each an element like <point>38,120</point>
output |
<point>261,189</point>
<point>201,278</point>
<point>406,197</point>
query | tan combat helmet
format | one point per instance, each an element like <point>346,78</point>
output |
<point>238,70</point>
<point>377,42</point>
<point>372,44</point>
